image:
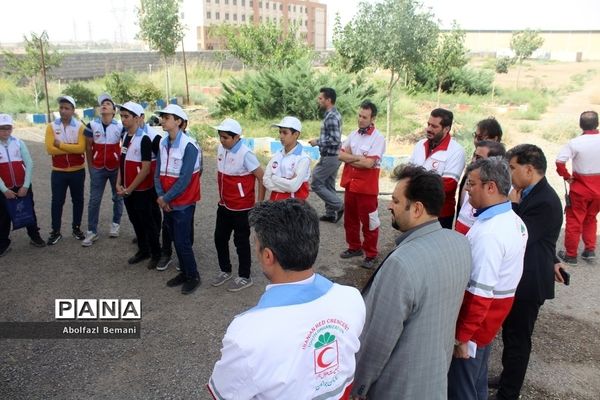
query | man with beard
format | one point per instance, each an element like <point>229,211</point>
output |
<point>413,298</point>
<point>439,152</point>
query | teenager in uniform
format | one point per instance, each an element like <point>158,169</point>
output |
<point>238,169</point>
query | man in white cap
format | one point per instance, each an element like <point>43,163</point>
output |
<point>238,170</point>
<point>16,168</point>
<point>177,181</point>
<point>65,143</point>
<point>135,183</point>
<point>103,137</point>
<point>288,172</point>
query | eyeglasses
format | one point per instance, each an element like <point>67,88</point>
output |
<point>469,183</point>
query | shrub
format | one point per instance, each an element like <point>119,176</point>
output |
<point>123,86</point>
<point>460,80</point>
<point>272,93</point>
<point>83,96</point>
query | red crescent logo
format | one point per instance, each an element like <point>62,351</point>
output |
<point>320,362</point>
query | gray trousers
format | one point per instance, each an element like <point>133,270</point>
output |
<point>323,183</point>
<point>467,378</point>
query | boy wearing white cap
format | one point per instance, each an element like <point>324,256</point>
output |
<point>177,181</point>
<point>288,172</point>
<point>136,184</point>
<point>238,169</point>
<point>103,138</point>
<point>16,168</point>
<point>65,143</point>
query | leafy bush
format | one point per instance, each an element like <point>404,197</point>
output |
<point>272,93</point>
<point>460,80</point>
<point>83,96</point>
<point>123,86</point>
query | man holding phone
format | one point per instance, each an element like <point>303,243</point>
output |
<point>539,207</point>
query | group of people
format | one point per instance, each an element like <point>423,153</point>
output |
<point>463,267</point>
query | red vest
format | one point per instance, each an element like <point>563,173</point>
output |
<point>107,144</point>
<point>170,168</point>
<point>69,135</point>
<point>12,167</point>
<point>236,184</point>
<point>133,163</point>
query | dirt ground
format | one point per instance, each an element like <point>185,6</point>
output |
<point>181,335</point>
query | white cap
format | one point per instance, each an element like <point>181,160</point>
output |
<point>6,119</point>
<point>132,107</point>
<point>173,109</point>
<point>67,99</point>
<point>230,125</point>
<point>289,122</point>
<point>103,97</point>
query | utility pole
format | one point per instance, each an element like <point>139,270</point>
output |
<point>187,87</point>
<point>44,75</point>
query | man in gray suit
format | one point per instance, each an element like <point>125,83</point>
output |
<point>413,298</point>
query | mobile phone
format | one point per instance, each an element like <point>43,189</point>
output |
<point>565,275</point>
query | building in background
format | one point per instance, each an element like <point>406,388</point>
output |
<point>199,15</point>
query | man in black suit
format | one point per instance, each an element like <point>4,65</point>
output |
<point>539,207</point>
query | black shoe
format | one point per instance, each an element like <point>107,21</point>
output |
<point>4,251</point>
<point>163,263</point>
<point>588,255</point>
<point>138,257</point>
<point>190,285</point>
<point>180,279</point>
<point>562,255</point>
<point>339,214</point>
<point>78,234</point>
<point>351,253</point>
<point>53,238</point>
<point>37,241</point>
<point>153,263</point>
<point>327,218</point>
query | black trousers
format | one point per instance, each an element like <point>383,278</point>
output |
<point>237,222</point>
<point>516,335</point>
<point>142,208</point>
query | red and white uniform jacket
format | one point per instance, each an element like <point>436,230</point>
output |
<point>106,146</point>
<point>171,161</point>
<point>12,166</point>
<point>133,163</point>
<point>236,183</point>
<point>584,151</point>
<point>466,216</point>
<point>287,175</point>
<point>371,145</point>
<point>447,160</point>
<point>69,135</point>
<point>498,240</point>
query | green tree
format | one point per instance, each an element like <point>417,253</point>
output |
<point>450,53</point>
<point>28,67</point>
<point>264,45</point>
<point>523,44</point>
<point>395,35</point>
<point>161,29</point>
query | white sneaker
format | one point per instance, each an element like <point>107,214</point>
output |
<point>114,230</point>
<point>90,238</point>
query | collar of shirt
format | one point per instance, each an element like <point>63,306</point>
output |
<point>590,132</point>
<point>5,142</point>
<point>99,120</point>
<point>295,151</point>
<point>72,122</point>
<point>367,131</point>
<point>406,234</point>
<point>492,211</point>
<point>288,294</point>
<point>235,147</point>
<point>443,145</point>
<point>527,190</point>
<point>175,142</point>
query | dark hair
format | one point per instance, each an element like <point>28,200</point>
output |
<point>64,101</point>
<point>588,120</point>
<point>493,169</point>
<point>290,228</point>
<point>154,121</point>
<point>368,105</point>
<point>423,186</point>
<point>230,134</point>
<point>490,127</point>
<point>528,154</point>
<point>446,116</point>
<point>495,149</point>
<point>329,93</point>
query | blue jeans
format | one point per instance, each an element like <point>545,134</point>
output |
<point>60,181</point>
<point>98,178</point>
<point>178,222</point>
<point>467,378</point>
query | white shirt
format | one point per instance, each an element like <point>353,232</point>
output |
<point>286,172</point>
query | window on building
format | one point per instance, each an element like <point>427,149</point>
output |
<point>289,8</point>
<point>250,3</point>
<point>267,19</point>
<point>280,7</point>
<point>243,3</point>
<point>226,16</point>
<point>267,5</point>
<point>217,15</point>
<point>260,19</point>
<point>306,22</point>
<point>243,17</point>
<point>208,15</point>
<point>294,8</point>
<point>300,8</point>
<point>260,4</point>
<point>252,18</point>
<point>207,1</point>
<point>216,1</point>
<point>226,1</point>
<point>235,17</point>
<point>235,2</point>
<point>306,10</point>
<point>274,6</point>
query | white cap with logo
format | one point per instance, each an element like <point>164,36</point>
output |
<point>104,97</point>
<point>229,125</point>
<point>68,99</point>
<point>290,123</point>
<point>132,107</point>
<point>173,109</point>
<point>6,119</point>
